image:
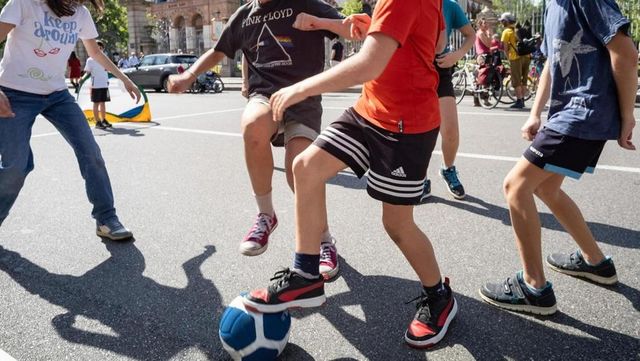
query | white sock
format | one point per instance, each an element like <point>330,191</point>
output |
<point>265,204</point>
<point>326,237</point>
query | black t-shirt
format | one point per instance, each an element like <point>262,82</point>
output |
<point>338,50</point>
<point>278,55</point>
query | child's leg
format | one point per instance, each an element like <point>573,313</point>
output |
<point>569,215</point>
<point>67,117</point>
<point>519,187</point>
<point>96,112</point>
<point>103,110</point>
<point>16,158</point>
<point>294,147</point>
<point>414,244</point>
<point>312,169</point>
<point>257,128</point>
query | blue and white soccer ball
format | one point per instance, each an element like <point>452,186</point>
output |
<point>251,336</point>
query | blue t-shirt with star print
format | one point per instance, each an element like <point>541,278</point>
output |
<point>584,100</point>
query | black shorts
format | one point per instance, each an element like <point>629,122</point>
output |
<point>445,85</point>
<point>100,95</point>
<point>563,154</point>
<point>396,162</point>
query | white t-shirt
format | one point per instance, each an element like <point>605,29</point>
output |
<point>37,49</point>
<point>99,75</point>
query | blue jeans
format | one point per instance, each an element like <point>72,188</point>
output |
<point>16,158</point>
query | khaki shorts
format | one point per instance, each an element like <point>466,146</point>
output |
<point>291,127</point>
<point>520,71</point>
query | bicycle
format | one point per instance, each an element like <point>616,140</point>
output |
<point>533,78</point>
<point>489,94</point>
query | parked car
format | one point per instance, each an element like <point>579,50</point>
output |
<point>154,69</point>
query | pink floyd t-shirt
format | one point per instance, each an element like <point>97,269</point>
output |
<point>37,49</point>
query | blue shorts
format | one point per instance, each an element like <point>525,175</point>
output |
<point>563,154</point>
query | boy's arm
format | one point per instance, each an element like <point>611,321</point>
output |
<point>178,83</point>
<point>624,60</point>
<point>5,29</point>
<point>341,27</point>
<point>245,77</point>
<point>367,64</point>
<point>442,41</point>
<point>94,52</point>
<point>531,126</point>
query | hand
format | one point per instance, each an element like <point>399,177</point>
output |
<point>530,127</point>
<point>447,60</point>
<point>306,22</point>
<point>244,91</point>
<point>179,83</point>
<point>285,98</point>
<point>626,132</point>
<point>5,107</point>
<point>359,25</point>
<point>133,90</point>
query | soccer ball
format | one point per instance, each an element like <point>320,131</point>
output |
<point>249,336</point>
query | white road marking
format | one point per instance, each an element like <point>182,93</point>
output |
<point>238,135</point>
<point>5,356</point>
<point>198,114</point>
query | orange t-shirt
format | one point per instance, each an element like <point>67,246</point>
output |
<point>404,99</point>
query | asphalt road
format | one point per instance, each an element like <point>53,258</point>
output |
<point>181,186</point>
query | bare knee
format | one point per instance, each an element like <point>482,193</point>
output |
<point>306,171</point>
<point>256,134</point>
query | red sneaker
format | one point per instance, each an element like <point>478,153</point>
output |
<point>257,240</point>
<point>432,319</point>
<point>287,290</point>
<point>329,259</point>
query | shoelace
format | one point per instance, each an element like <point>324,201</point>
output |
<point>422,306</point>
<point>260,227</point>
<point>452,177</point>
<point>325,251</point>
<point>280,277</point>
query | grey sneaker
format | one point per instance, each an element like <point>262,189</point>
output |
<point>574,265</point>
<point>426,191</point>
<point>113,230</point>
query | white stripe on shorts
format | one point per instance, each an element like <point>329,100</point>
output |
<point>398,181</point>
<point>391,193</point>
<point>346,151</point>
<point>349,140</point>
<point>393,187</point>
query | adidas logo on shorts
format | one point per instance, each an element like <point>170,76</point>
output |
<point>399,172</point>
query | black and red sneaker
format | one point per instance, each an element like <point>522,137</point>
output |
<point>432,319</point>
<point>287,290</point>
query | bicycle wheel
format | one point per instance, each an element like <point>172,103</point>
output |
<point>459,80</point>
<point>492,94</point>
<point>509,91</point>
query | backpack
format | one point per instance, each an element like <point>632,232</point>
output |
<point>525,44</point>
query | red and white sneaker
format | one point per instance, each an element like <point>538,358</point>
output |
<point>432,319</point>
<point>287,290</point>
<point>329,259</point>
<point>257,240</point>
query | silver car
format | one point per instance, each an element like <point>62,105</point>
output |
<point>154,69</point>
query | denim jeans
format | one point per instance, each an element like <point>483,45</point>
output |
<point>16,158</point>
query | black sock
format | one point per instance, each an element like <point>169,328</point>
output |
<point>436,290</point>
<point>307,263</point>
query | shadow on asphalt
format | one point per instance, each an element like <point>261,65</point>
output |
<point>148,321</point>
<point>486,332</point>
<point>606,233</point>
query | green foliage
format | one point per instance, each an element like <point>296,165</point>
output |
<point>351,7</point>
<point>112,25</point>
<point>631,9</point>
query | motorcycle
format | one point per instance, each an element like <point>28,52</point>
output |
<point>209,81</point>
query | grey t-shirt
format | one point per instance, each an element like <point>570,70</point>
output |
<point>278,55</point>
<point>584,100</point>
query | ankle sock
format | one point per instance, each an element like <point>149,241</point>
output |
<point>434,291</point>
<point>265,204</point>
<point>307,265</point>
<point>533,290</point>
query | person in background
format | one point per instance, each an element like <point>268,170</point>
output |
<point>483,54</point>
<point>99,90</point>
<point>133,60</point>
<point>75,70</point>
<point>519,64</point>
<point>455,19</point>
<point>337,53</point>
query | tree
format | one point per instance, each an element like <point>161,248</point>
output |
<point>631,9</point>
<point>352,7</point>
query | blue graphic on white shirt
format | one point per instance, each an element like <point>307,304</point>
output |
<point>54,30</point>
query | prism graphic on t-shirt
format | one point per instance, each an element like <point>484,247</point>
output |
<point>270,50</point>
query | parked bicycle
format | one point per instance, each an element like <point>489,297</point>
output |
<point>533,79</point>
<point>206,82</point>
<point>464,81</point>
